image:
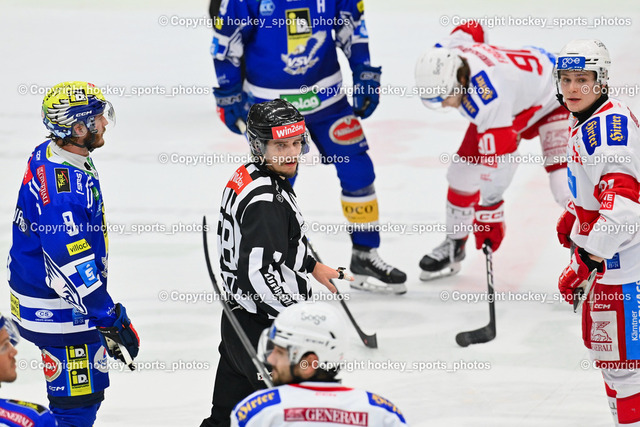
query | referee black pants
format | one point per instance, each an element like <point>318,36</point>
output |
<point>236,377</point>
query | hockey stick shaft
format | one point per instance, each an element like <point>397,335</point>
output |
<point>370,341</point>
<point>266,377</point>
<point>490,289</point>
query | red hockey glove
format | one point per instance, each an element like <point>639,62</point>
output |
<point>489,225</point>
<point>577,272</point>
<point>563,228</point>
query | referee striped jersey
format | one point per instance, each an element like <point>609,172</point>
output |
<point>264,257</point>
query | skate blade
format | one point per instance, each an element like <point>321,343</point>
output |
<point>427,276</point>
<point>371,284</point>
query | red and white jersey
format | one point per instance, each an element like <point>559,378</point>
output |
<point>315,404</point>
<point>604,169</point>
<point>509,89</point>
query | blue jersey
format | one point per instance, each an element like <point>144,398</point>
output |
<point>15,413</point>
<point>58,260</point>
<point>286,45</point>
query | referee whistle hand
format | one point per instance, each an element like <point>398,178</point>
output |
<point>323,273</point>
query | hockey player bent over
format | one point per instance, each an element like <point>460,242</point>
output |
<point>602,221</point>
<point>286,50</point>
<point>507,95</point>
<point>58,260</point>
<point>304,348</point>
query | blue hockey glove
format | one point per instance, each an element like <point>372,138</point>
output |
<point>121,340</point>
<point>366,89</point>
<point>231,106</point>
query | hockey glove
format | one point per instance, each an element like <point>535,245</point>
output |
<point>563,228</point>
<point>577,272</point>
<point>121,336</point>
<point>231,106</point>
<point>366,89</point>
<point>489,225</point>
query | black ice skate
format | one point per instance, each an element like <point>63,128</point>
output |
<point>371,273</point>
<point>444,260</point>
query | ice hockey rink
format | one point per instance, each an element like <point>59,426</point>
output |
<point>535,373</point>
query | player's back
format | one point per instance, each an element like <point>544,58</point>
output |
<point>309,403</point>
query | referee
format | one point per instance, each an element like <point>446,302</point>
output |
<point>264,254</point>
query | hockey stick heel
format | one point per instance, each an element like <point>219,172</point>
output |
<point>486,333</point>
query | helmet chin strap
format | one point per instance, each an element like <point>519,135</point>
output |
<point>88,144</point>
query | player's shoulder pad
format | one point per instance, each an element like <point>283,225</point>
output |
<point>381,402</point>
<point>252,405</point>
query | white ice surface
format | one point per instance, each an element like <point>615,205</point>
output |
<point>534,375</point>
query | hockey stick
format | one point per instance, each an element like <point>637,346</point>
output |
<point>581,293</point>
<point>266,377</point>
<point>370,341</point>
<point>486,333</point>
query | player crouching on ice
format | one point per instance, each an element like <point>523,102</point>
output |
<point>507,95</point>
<point>604,169</point>
<point>304,349</point>
<point>16,413</point>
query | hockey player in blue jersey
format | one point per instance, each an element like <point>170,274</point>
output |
<point>17,413</point>
<point>270,49</point>
<point>58,259</point>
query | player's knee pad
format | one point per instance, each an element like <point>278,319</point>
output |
<point>77,374</point>
<point>83,416</point>
<point>464,177</point>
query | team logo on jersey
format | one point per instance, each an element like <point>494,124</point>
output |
<point>381,402</point>
<point>304,102</point>
<point>88,272</point>
<point>591,135</point>
<point>469,106</point>
<point>78,247</point>
<point>617,132</point>
<point>62,180</point>
<point>483,87</point>
<point>247,409</point>
<point>51,365</point>
<point>100,360</point>
<point>57,281</point>
<point>44,192</point>
<point>326,415</point>
<point>302,44</point>
<point>346,131</point>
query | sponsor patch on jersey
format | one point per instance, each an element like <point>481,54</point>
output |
<point>571,62</point>
<point>51,365</point>
<point>591,135</point>
<point>79,378</point>
<point>267,7</point>
<point>45,315</point>
<point>614,262</point>
<point>303,102</point>
<point>299,28</point>
<point>484,88</point>
<point>617,132</point>
<point>63,185</point>
<point>302,44</point>
<point>631,294</point>
<point>608,197</point>
<point>326,415</point>
<point>88,272</point>
<point>33,406</point>
<point>78,247</point>
<point>572,183</point>
<point>240,179</point>
<point>360,212</point>
<point>15,306</point>
<point>44,192</point>
<point>604,335</point>
<point>16,418</point>
<point>346,131</point>
<point>249,408</point>
<point>375,400</point>
<point>469,106</point>
<point>287,131</point>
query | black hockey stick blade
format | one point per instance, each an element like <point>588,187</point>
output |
<point>486,333</point>
<point>266,377</point>
<point>370,341</point>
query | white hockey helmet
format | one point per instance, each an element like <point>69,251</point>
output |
<point>588,55</point>
<point>436,75</point>
<point>306,327</point>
